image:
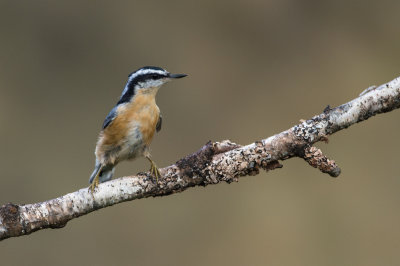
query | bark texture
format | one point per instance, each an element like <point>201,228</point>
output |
<point>213,163</point>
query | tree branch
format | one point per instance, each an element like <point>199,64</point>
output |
<point>213,163</point>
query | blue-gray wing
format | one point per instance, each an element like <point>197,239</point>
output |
<point>159,123</point>
<point>110,117</point>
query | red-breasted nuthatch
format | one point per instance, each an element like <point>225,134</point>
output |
<point>129,128</point>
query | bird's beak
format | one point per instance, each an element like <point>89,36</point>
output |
<point>177,76</point>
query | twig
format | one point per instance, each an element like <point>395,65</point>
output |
<point>213,163</point>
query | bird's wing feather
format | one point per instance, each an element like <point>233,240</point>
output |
<point>110,117</point>
<point>159,123</point>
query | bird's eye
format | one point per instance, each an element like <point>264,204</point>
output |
<point>154,76</point>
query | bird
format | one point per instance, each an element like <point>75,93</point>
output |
<point>129,127</point>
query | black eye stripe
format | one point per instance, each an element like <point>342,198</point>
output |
<point>153,76</point>
<point>146,77</point>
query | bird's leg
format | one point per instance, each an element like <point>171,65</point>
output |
<point>153,169</point>
<point>95,182</point>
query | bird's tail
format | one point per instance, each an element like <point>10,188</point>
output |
<point>106,173</point>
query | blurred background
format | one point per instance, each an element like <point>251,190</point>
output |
<point>255,69</point>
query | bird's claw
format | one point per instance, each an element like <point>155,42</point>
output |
<point>94,185</point>
<point>154,171</point>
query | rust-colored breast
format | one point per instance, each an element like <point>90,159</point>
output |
<point>146,116</point>
<point>141,114</point>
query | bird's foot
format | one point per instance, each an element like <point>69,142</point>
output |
<point>154,170</point>
<point>94,184</point>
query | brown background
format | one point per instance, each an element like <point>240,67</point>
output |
<point>255,68</point>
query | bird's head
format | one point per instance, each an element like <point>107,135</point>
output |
<point>147,80</point>
<point>151,77</point>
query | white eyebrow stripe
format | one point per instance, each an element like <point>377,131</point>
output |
<point>146,71</point>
